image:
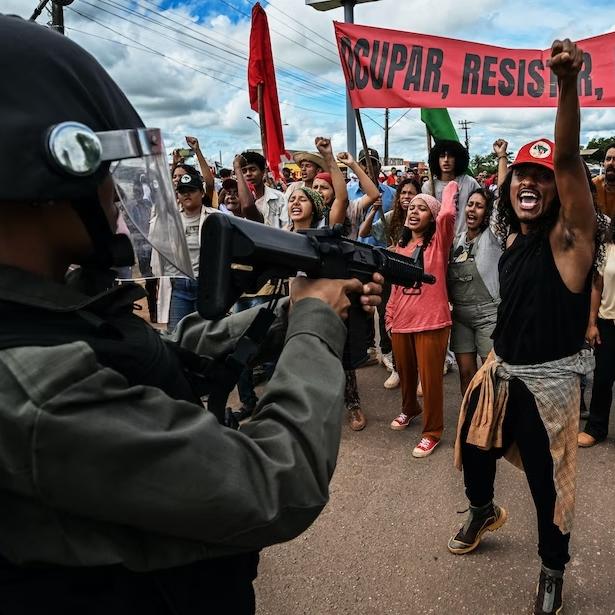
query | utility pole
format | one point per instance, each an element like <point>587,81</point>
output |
<point>57,13</point>
<point>57,17</point>
<point>351,127</point>
<point>465,126</point>
<point>386,136</point>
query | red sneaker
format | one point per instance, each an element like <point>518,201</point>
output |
<point>425,447</point>
<point>402,421</point>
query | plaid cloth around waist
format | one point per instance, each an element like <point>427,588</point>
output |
<point>556,387</point>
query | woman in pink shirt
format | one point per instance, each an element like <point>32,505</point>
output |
<point>419,321</point>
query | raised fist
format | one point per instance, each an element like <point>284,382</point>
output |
<point>239,161</point>
<point>500,147</point>
<point>566,59</point>
<point>192,142</point>
<point>323,145</point>
<point>346,158</point>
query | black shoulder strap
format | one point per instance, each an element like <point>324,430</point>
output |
<point>124,343</point>
<point>23,326</point>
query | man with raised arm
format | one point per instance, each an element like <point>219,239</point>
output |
<point>524,402</point>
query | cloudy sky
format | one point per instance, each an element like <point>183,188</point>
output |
<point>183,64</point>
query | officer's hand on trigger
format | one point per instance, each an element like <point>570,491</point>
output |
<point>335,292</point>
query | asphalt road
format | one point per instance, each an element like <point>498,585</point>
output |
<point>380,545</point>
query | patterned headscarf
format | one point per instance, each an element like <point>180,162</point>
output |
<point>318,204</point>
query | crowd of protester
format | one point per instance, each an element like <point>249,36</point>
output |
<point>401,210</point>
<point>461,225</point>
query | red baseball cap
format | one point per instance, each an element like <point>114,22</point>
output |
<point>536,152</point>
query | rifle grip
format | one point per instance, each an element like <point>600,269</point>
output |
<point>360,331</point>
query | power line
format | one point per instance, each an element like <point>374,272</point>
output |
<point>273,6</point>
<point>155,51</point>
<point>182,33</point>
<point>289,75</point>
<point>178,61</point>
<point>238,10</point>
<point>211,33</point>
<point>293,41</point>
<point>399,119</point>
<point>140,25</point>
<point>188,45</point>
<point>327,49</point>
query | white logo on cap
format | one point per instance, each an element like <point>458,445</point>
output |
<point>540,149</point>
<point>185,179</point>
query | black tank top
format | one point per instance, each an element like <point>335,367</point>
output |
<point>539,318</point>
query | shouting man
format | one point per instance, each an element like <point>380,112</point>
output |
<point>524,402</point>
<point>311,165</point>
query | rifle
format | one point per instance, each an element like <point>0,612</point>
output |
<point>238,255</point>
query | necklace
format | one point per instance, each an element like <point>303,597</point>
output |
<point>464,251</point>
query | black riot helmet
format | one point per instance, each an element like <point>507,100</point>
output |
<point>64,126</point>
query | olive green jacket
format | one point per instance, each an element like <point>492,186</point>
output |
<point>95,472</point>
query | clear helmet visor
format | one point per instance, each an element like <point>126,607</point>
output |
<point>150,216</point>
<point>145,196</point>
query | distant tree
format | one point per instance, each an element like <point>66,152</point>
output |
<point>601,144</point>
<point>488,163</point>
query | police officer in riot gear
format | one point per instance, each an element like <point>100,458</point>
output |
<point>120,492</point>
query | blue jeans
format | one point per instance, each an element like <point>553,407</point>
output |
<point>183,300</point>
<point>245,388</point>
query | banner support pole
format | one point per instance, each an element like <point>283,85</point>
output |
<point>261,118</point>
<point>351,129</point>
<point>370,166</point>
<point>429,146</point>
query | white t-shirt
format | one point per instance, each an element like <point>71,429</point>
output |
<point>607,271</point>
<point>274,208</point>
<point>193,238</point>
<point>354,213</point>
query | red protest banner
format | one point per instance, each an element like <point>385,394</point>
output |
<point>390,68</point>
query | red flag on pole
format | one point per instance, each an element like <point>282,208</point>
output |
<point>264,91</point>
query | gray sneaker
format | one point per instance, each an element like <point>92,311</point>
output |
<point>549,592</point>
<point>487,518</point>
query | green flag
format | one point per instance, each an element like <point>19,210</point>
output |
<point>439,123</point>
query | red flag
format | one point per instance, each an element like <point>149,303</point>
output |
<point>262,73</point>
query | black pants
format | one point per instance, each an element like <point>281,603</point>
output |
<point>604,377</point>
<point>522,425</point>
<point>385,340</point>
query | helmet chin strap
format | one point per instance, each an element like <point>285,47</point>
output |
<point>110,249</point>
